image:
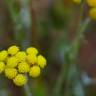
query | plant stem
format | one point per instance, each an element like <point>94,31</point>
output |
<point>73,54</point>
<point>27,90</point>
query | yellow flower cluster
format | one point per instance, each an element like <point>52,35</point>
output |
<point>15,64</point>
<point>91,4</point>
<point>92,11</point>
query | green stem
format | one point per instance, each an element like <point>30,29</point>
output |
<point>73,54</point>
<point>27,90</point>
<point>65,71</point>
<point>57,88</point>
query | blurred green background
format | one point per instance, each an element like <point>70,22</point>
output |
<point>50,26</point>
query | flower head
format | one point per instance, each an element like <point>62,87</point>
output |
<point>12,62</point>
<point>92,13</point>
<point>32,59</point>
<point>3,55</point>
<point>32,50</point>
<point>35,71</point>
<point>20,80</point>
<point>41,61</point>
<point>21,56</point>
<point>13,50</point>
<point>23,67</point>
<point>10,73</point>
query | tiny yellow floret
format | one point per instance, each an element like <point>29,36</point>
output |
<point>35,71</point>
<point>32,50</point>
<point>91,3</point>
<point>2,67</point>
<point>10,73</point>
<point>20,80</point>
<point>13,50</point>
<point>3,55</point>
<point>21,56</point>
<point>92,13</point>
<point>12,62</point>
<point>23,67</point>
<point>32,59</point>
<point>41,61</point>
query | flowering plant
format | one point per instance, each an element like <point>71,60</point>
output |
<point>16,64</point>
